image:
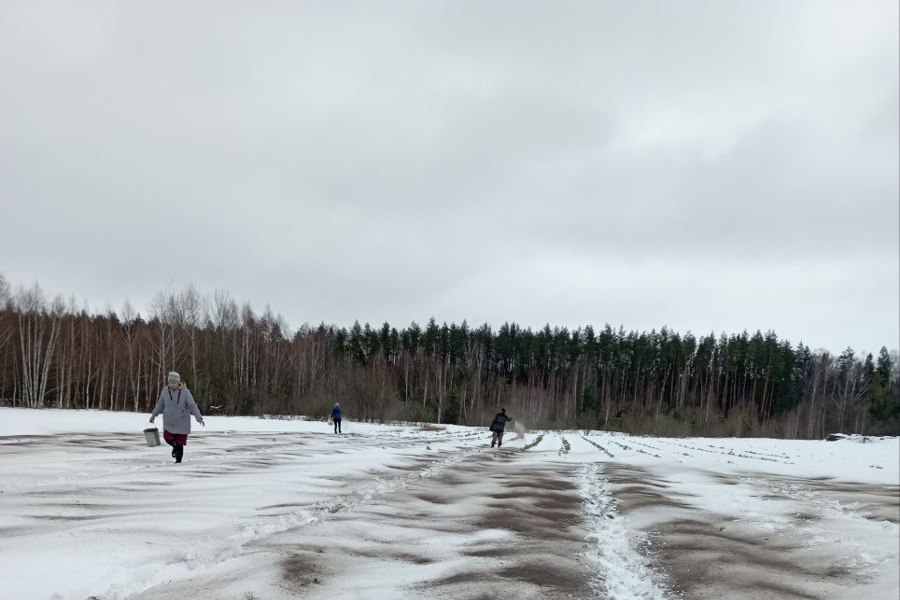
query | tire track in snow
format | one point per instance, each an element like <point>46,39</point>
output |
<point>623,572</point>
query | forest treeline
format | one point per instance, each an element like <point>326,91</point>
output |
<point>239,362</point>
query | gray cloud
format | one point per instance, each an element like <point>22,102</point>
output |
<point>706,165</point>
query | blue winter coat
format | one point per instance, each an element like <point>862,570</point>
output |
<point>336,413</point>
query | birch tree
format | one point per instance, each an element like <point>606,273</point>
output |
<point>38,333</point>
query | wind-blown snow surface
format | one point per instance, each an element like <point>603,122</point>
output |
<point>272,509</point>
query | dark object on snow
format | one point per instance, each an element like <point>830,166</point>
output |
<point>497,426</point>
<point>500,421</point>
<point>176,404</point>
<point>151,434</point>
<point>177,441</point>
<point>836,437</point>
<point>336,417</point>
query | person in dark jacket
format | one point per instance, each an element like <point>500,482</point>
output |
<point>497,426</point>
<point>336,417</point>
<point>176,404</point>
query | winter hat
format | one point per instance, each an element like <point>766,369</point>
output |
<point>336,404</point>
<point>174,377</point>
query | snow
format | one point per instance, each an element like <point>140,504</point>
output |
<point>266,507</point>
<point>626,573</point>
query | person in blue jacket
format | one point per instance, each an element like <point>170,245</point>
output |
<point>336,417</point>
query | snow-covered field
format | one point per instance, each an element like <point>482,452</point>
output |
<point>271,509</point>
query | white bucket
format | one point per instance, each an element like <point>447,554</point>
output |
<point>152,435</point>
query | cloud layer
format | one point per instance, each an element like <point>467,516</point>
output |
<point>708,166</point>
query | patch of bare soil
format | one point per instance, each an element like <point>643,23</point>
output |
<point>713,556</point>
<point>487,527</point>
<point>104,441</point>
<point>302,568</point>
<point>542,512</point>
<point>637,489</point>
<point>717,558</point>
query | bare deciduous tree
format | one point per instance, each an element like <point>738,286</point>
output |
<point>38,332</point>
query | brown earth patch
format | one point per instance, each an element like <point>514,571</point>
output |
<point>620,474</point>
<point>543,514</point>
<point>636,498</point>
<point>433,498</point>
<point>635,489</point>
<point>542,483</point>
<point>874,502</point>
<point>552,573</point>
<point>64,517</point>
<point>50,492</point>
<point>718,559</point>
<point>464,578</point>
<point>504,495</point>
<point>489,552</point>
<point>300,570</point>
<point>709,556</point>
<point>285,505</point>
<point>386,552</point>
<point>806,517</point>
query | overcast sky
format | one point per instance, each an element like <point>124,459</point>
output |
<point>710,166</point>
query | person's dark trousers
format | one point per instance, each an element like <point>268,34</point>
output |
<point>337,425</point>
<point>177,441</point>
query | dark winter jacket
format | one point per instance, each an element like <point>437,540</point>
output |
<point>176,407</point>
<point>500,422</point>
<point>336,413</point>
